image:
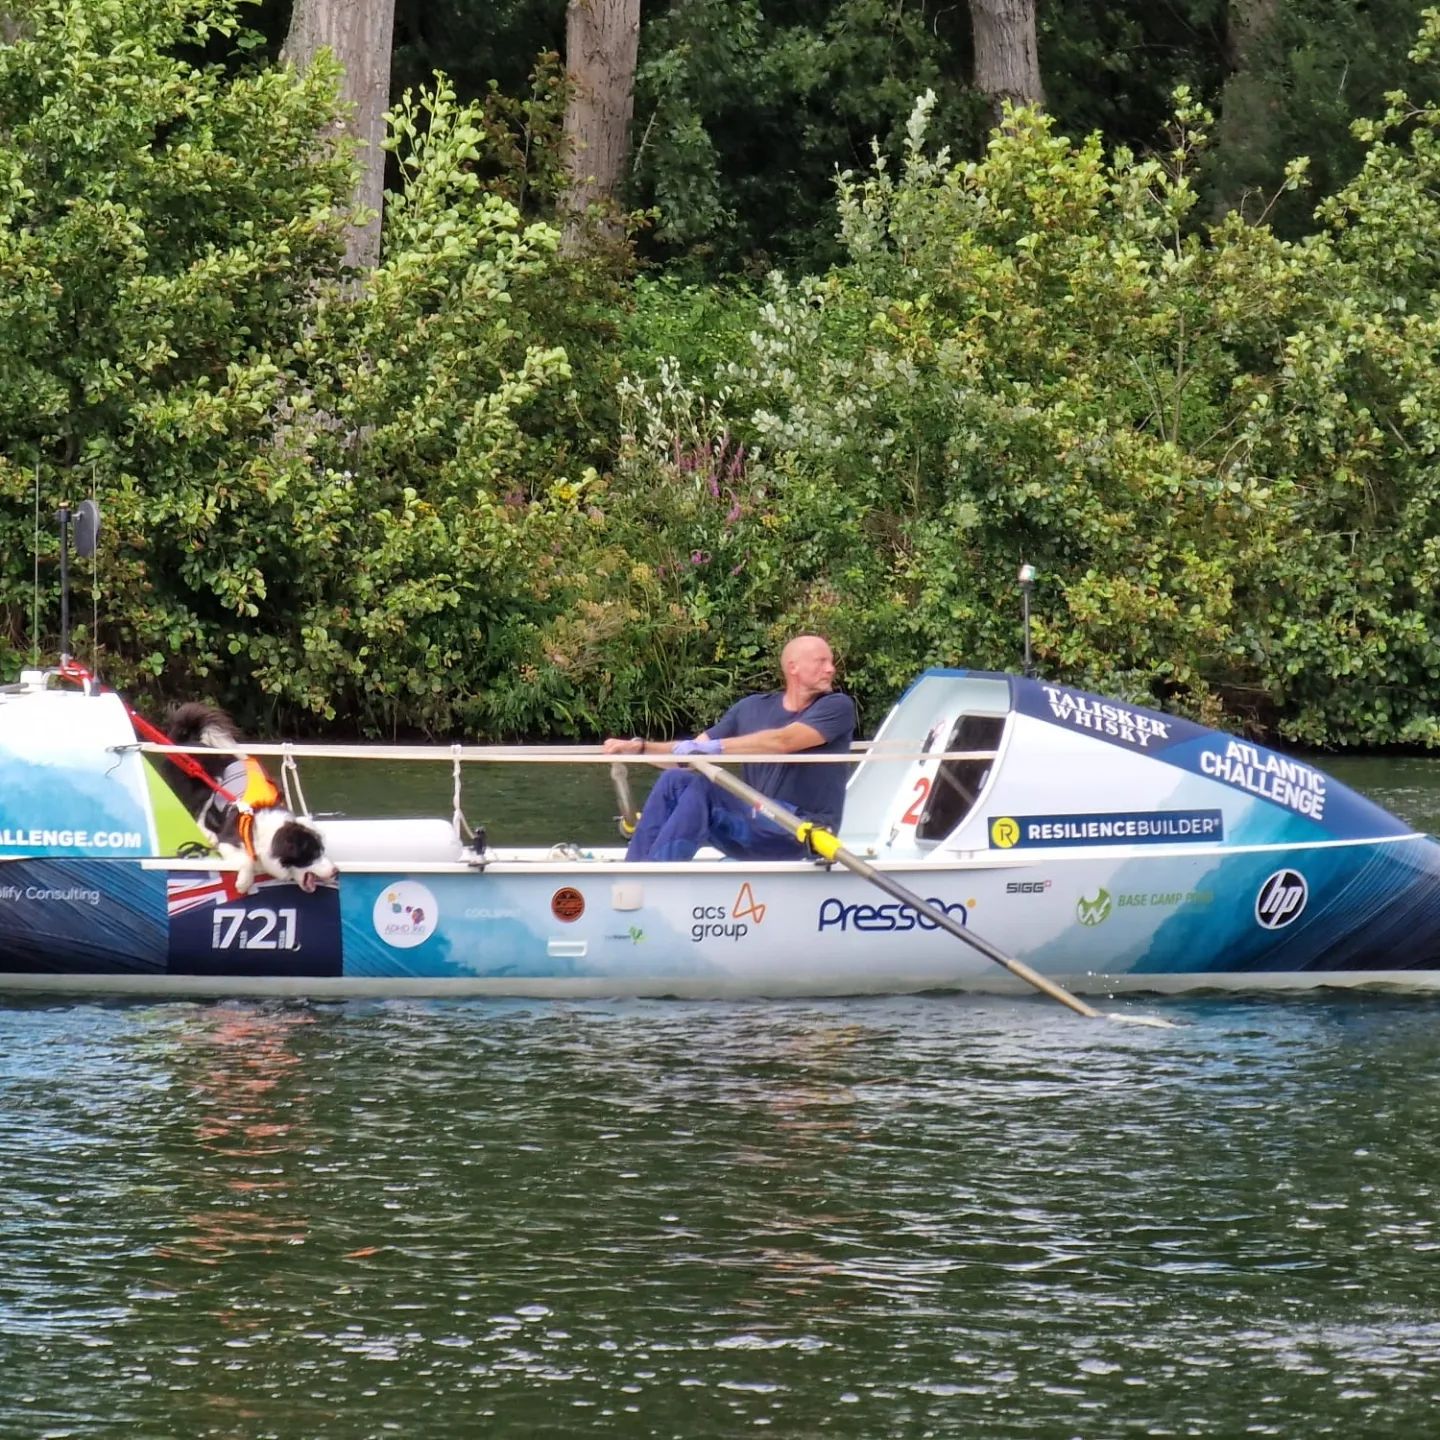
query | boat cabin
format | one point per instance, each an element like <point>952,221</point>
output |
<point>971,763</point>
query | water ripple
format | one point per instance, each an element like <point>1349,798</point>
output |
<point>866,1218</point>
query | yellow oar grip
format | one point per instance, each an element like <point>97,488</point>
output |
<point>822,842</point>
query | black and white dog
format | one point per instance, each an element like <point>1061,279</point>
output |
<point>250,826</point>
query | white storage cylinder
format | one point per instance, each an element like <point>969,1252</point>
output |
<point>397,842</point>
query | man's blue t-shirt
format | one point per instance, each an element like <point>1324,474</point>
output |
<point>813,792</point>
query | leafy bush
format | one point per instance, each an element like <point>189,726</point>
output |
<point>163,226</point>
<point>425,498</point>
<point>1216,445</point>
<point>320,497</point>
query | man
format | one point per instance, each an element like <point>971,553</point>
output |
<point>685,811</point>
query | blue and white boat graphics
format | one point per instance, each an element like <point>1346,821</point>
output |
<point>1106,845</point>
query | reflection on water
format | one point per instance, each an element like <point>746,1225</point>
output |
<point>247,1120</point>
<point>881,1217</point>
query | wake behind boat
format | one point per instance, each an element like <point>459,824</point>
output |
<point>1107,846</point>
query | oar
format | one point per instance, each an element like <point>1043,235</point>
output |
<point>629,816</point>
<point>829,847</point>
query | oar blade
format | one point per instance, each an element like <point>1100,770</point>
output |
<point>1153,1021</point>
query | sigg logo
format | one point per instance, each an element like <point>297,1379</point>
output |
<point>405,915</point>
<point>1026,887</point>
<point>837,915</point>
<point>1281,900</point>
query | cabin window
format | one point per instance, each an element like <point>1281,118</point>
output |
<point>958,783</point>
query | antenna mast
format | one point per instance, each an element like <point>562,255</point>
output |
<point>85,518</point>
<point>1027,583</point>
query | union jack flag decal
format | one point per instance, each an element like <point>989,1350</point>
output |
<point>192,892</point>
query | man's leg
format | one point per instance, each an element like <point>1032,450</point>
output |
<point>675,822</point>
<point>744,835</point>
<point>685,811</point>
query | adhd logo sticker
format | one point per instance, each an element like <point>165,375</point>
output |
<point>405,915</point>
<point>1281,900</point>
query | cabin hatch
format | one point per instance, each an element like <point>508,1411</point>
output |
<point>958,783</point>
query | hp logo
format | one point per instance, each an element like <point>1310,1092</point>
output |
<point>1281,899</point>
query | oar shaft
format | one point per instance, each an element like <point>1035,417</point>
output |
<point>937,916</point>
<point>628,817</point>
<point>829,847</point>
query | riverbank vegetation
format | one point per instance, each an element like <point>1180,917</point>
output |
<point>501,485</point>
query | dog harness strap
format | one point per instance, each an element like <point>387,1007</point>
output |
<point>232,781</point>
<point>245,778</point>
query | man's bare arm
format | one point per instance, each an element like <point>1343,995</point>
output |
<point>783,740</point>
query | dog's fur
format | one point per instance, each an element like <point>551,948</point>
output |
<point>285,848</point>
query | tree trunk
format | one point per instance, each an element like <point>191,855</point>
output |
<point>1248,101</point>
<point>602,40</point>
<point>360,34</point>
<point>1007,60</point>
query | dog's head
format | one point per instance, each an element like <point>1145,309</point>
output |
<point>289,849</point>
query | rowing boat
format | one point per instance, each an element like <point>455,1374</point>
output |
<point>1106,846</point>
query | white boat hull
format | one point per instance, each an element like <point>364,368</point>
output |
<point>596,926</point>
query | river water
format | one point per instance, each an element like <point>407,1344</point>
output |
<point>887,1217</point>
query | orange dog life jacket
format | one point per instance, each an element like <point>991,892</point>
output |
<point>253,789</point>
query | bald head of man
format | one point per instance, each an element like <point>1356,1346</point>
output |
<point>808,669</point>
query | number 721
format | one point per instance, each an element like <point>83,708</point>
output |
<point>236,929</point>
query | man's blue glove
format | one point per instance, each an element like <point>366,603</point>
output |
<point>696,747</point>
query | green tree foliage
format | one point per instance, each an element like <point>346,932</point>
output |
<point>319,495</point>
<point>428,500</point>
<point>1217,446</point>
<point>476,43</point>
<point>1309,70</point>
<point>1113,68</point>
<point>746,109</point>
<point>162,228</point>
<point>404,565</point>
<point>744,112</point>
